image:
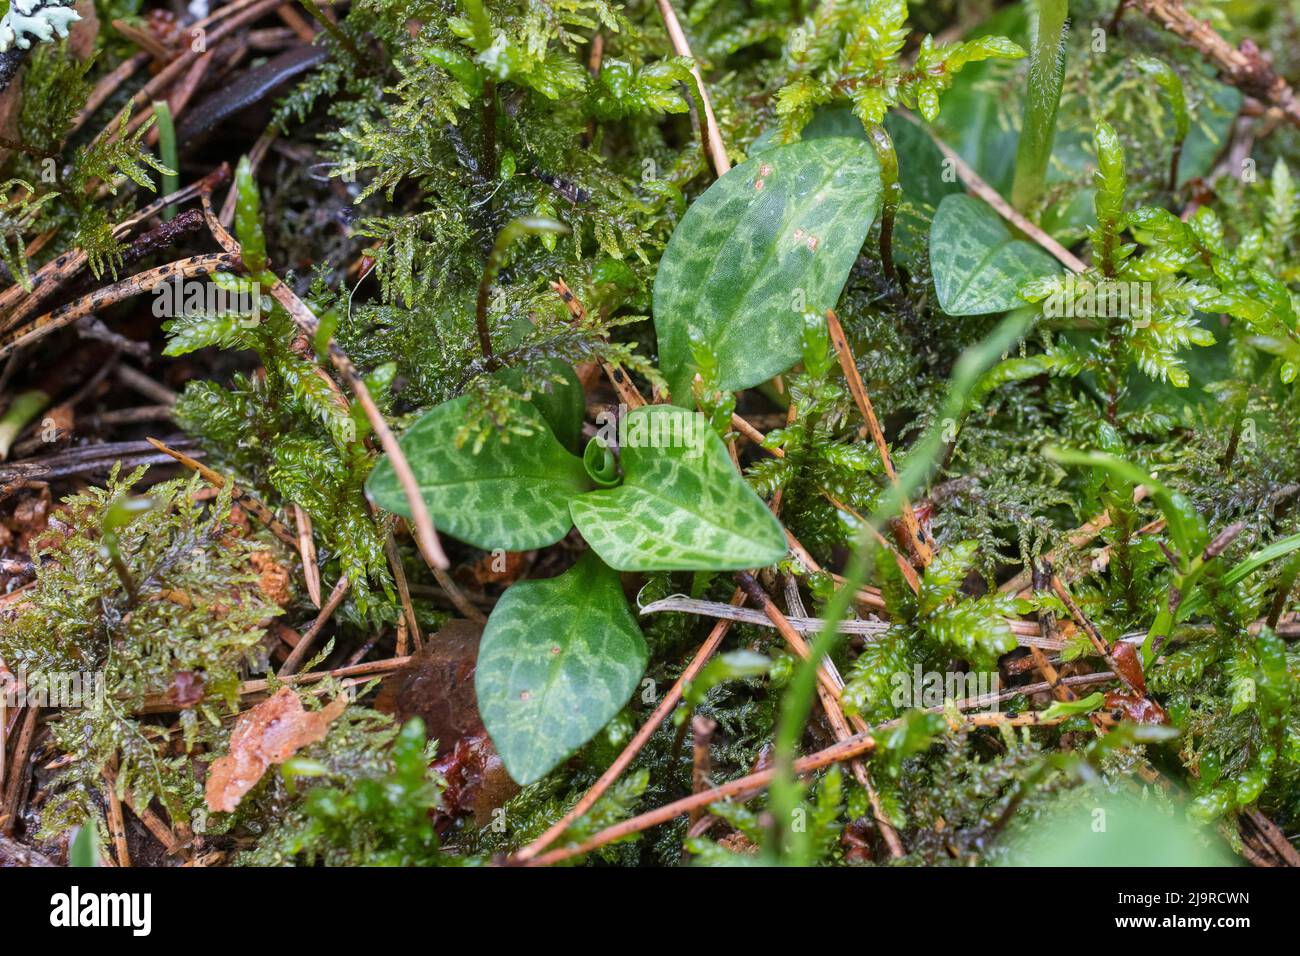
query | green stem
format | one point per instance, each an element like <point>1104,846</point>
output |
<point>515,229</point>
<point>489,129</point>
<point>171,181</point>
<point>1116,367</point>
<point>119,514</point>
<point>795,708</point>
<point>890,194</point>
<point>1042,97</point>
<point>1174,159</point>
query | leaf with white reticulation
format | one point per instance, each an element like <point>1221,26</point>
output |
<point>511,493</point>
<point>682,505</point>
<point>559,658</point>
<point>977,264</point>
<point>772,238</point>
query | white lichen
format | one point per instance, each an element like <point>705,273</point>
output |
<point>42,19</point>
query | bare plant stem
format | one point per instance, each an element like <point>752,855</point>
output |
<point>299,652</point>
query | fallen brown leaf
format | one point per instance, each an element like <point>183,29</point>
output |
<point>437,685</point>
<point>1135,707</point>
<point>1129,666</point>
<point>269,733</point>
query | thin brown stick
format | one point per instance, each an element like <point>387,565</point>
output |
<point>299,652</point>
<point>227,19</point>
<point>1273,837</point>
<point>159,704</point>
<point>702,729</point>
<point>712,135</point>
<point>794,604</point>
<point>137,284</point>
<point>627,392</point>
<point>157,826</point>
<point>457,596</point>
<point>307,551</point>
<point>297,23</point>
<point>403,591</point>
<point>17,772</point>
<point>141,383</point>
<point>1094,635</point>
<point>129,416</point>
<point>402,640</point>
<point>183,92</point>
<point>107,86</point>
<point>753,783</point>
<point>255,157</point>
<point>16,303</point>
<point>829,687</point>
<point>924,553</point>
<point>764,602</point>
<point>1076,538</point>
<point>757,437</point>
<point>1243,66</point>
<point>426,537</point>
<point>624,759</point>
<point>984,191</point>
<point>116,821</point>
<point>245,500</point>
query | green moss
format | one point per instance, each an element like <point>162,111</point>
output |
<point>195,626</point>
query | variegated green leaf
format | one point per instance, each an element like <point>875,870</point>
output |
<point>559,658</point>
<point>511,493</point>
<point>561,403</point>
<point>774,237</point>
<point>977,264</point>
<point>682,506</point>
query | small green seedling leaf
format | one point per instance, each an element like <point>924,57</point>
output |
<point>558,660</point>
<point>118,515</point>
<point>248,218</point>
<point>775,236</point>
<point>601,465</point>
<point>84,849</point>
<point>682,506</point>
<point>978,265</point>
<point>1072,708</point>
<point>511,494</point>
<point>1172,85</point>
